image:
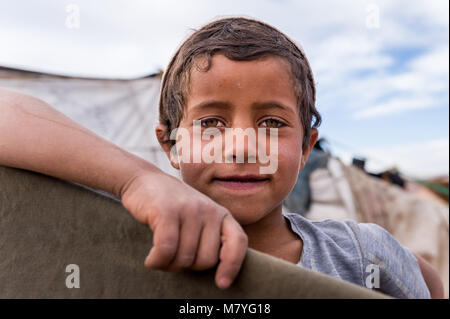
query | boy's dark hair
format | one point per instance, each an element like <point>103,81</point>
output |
<point>238,39</point>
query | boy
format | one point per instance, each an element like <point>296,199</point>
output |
<point>233,73</point>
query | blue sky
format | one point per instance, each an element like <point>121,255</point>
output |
<point>381,67</point>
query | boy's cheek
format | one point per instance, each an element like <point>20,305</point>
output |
<point>192,172</point>
<point>289,155</point>
<point>288,167</point>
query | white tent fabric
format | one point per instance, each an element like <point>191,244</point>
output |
<point>124,112</point>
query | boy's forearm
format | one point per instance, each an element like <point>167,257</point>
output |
<point>36,137</point>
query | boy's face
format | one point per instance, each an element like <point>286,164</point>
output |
<point>245,94</point>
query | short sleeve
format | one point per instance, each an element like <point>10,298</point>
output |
<point>389,267</point>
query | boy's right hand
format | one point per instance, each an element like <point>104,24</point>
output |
<point>190,230</point>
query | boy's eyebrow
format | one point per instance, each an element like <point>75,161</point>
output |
<point>271,104</point>
<point>255,105</point>
<point>211,105</point>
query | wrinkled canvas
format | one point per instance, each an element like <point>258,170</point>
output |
<point>47,224</point>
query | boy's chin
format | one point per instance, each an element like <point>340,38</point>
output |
<point>247,214</point>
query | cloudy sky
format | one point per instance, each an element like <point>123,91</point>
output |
<point>381,67</point>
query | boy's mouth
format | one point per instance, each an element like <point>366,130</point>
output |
<point>241,182</point>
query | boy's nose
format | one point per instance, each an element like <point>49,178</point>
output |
<point>240,145</point>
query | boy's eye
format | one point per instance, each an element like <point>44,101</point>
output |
<point>272,123</point>
<point>211,122</point>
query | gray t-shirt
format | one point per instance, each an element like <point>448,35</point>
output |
<point>361,253</point>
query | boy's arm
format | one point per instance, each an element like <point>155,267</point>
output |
<point>36,137</point>
<point>431,277</point>
<point>190,230</point>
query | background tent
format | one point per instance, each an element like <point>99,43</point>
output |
<point>124,112</point>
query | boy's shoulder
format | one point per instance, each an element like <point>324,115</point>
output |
<point>362,253</point>
<point>327,234</point>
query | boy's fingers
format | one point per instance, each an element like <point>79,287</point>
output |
<point>189,239</point>
<point>208,249</point>
<point>165,244</point>
<point>232,253</point>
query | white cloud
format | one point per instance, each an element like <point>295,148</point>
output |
<point>419,160</point>
<point>423,84</point>
<point>434,63</point>
<point>341,55</point>
<point>414,160</point>
<point>396,105</point>
<point>68,56</point>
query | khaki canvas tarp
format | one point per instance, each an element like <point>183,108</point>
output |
<point>47,224</point>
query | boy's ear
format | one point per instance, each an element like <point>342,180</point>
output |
<point>164,140</point>
<point>312,142</point>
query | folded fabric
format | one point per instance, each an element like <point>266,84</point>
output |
<point>51,230</point>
